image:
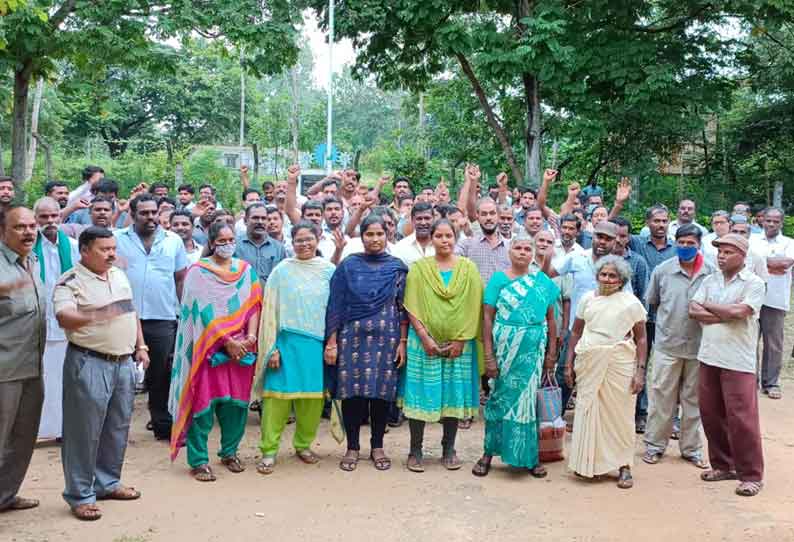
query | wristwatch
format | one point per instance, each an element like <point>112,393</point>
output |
<point>142,347</point>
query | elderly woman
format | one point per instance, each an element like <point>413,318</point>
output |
<point>443,297</point>
<point>366,330</point>
<point>291,335</point>
<point>608,338</point>
<point>518,321</point>
<point>214,356</point>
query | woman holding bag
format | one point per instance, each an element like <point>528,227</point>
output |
<point>518,322</point>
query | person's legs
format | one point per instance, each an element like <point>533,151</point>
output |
<point>772,322</point>
<point>160,336</point>
<point>691,445</point>
<point>196,439</point>
<point>378,414</point>
<point>352,415</point>
<point>232,418</point>
<point>116,427</point>
<point>85,404</point>
<point>662,386</point>
<point>450,433</point>
<point>742,424</point>
<point>417,429</point>
<point>641,406</point>
<point>275,413</point>
<point>308,413</point>
<point>712,414</point>
<point>560,372</point>
<point>20,414</point>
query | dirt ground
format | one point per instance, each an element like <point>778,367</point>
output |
<point>320,502</point>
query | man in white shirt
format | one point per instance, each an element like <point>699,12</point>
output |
<point>720,225</point>
<point>182,225</point>
<point>778,250</point>
<point>417,245</point>
<point>686,215</point>
<point>753,261</point>
<point>56,253</point>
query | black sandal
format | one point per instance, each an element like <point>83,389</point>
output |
<point>538,471</point>
<point>481,468</point>
<point>381,463</point>
<point>203,473</point>
<point>349,463</point>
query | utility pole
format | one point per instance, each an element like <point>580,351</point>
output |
<point>329,164</point>
<point>242,101</point>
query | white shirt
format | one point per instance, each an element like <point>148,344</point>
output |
<point>410,251</point>
<point>356,246</point>
<point>672,228</point>
<point>52,271</point>
<point>239,228</point>
<point>753,262</point>
<point>778,292</point>
<point>193,257</point>
<point>327,246</point>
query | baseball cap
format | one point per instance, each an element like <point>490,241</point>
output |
<point>733,239</point>
<point>606,228</point>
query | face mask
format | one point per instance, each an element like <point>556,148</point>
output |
<point>608,289</point>
<point>225,251</point>
<point>687,254</point>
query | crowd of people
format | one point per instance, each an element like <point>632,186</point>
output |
<point>412,307</point>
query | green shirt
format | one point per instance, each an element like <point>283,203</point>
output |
<point>23,319</point>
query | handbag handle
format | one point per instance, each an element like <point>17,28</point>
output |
<point>549,377</point>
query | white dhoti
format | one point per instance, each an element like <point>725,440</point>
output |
<point>51,424</point>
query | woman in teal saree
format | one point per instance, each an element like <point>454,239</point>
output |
<point>518,322</point>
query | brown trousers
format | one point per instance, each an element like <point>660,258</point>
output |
<point>729,412</point>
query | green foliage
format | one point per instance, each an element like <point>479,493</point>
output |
<point>205,167</point>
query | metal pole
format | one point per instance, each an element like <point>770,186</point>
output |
<point>329,165</point>
<point>242,104</point>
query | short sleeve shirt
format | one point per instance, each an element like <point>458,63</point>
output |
<point>263,257</point>
<point>151,274</point>
<point>488,259</point>
<point>81,289</point>
<point>778,291</point>
<point>731,345</point>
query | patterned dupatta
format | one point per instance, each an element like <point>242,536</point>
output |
<point>525,300</point>
<point>216,304</point>
<point>295,300</point>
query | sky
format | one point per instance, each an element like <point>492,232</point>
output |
<point>342,54</point>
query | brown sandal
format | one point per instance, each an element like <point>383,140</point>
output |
<point>382,461</point>
<point>749,489</point>
<point>715,475</point>
<point>233,463</point>
<point>539,471</point>
<point>307,456</point>
<point>415,464</point>
<point>349,462</point>
<point>86,512</point>
<point>451,462</point>
<point>121,493</point>
<point>203,473</point>
<point>625,480</point>
<point>266,465</point>
<point>21,503</point>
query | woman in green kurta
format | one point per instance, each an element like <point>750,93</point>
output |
<point>443,297</point>
<point>518,320</point>
<point>291,333</point>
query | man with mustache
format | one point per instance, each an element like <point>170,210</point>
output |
<point>182,225</point>
<point>23,330</point>
<point>59,191</point>
<point>56,253</point>
<point>156,263</point>
<point>7,193</point>
<point>418,245</point>
<point>94,304</point>
<point>256,246</point>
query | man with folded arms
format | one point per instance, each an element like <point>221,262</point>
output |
<point>727,305</point>
<point>93,304</point>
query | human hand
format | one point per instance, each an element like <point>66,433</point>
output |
<point>339,239</point>
<point>235,349</point>
<point>549,175</point>
<point>573,191</point>
<point>22,282</point>
<point>244,171</point>
<point>383,181</point>
<point>330,354</point>
<point>401,356</point>
<point>570,376</point>
<point>275,359</point>
<point>501,180</point>
<point>491,368</point>
<point>142,357</point>
<point>431,347</point>
<point>473,172</point>
<point>624,190</point>
<point>122,205</point>
<point>454,349</point>
<point>293,172</point>
<point>638,382</point>
<point>200,208</point>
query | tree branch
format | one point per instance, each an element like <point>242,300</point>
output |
<point>653,28</point>
<point>62,13</point>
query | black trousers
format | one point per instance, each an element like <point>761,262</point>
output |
<point>160,336</point>
<point>356,410</point>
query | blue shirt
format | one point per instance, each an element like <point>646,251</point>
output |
<point>639,273</point>
<point>263,257</point>
<point>152,275</point>
<point>83,217</point>
<point>581,267</point>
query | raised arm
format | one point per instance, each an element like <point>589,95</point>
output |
<point>245,180</point>
<point>571,199</point>
<point>543,192</point>
<point>621,197</point>
<point>291,207</point>
<point>464,195</point>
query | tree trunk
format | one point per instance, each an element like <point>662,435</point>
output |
<point>2,164</point>
<point>493,122</point>
<point>19,130</point>
<point>47,154</point>
<point>532,129</point>
<point>255,151</point>
<point>34,128</point>
<point>295,119</point>
<point>777,195</point>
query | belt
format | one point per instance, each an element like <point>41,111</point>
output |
<point>114,358</point>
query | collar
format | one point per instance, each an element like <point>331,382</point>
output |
<point>12,256</point>
<point>482,238</point>
<point>743,274</point>
<point>47,242</point>
<point>702,270</point>
<point>669,243</point>
<point>246,239</point>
